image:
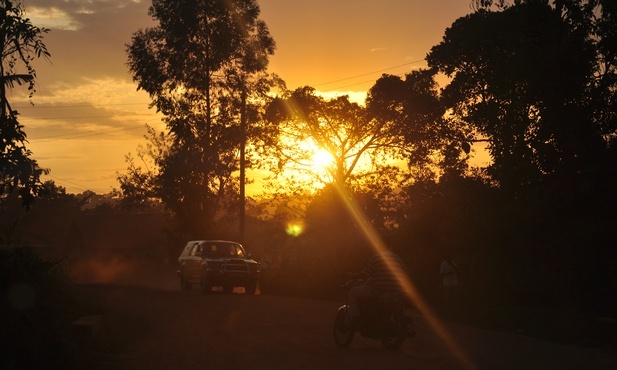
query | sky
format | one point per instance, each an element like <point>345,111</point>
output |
<point>87,114</point>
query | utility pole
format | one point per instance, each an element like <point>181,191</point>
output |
<point>242,213</point>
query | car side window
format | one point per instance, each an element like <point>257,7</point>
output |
<point>239,252</point>
<point>196,248</point>
<point>230,251</point>
<point>211,250</point>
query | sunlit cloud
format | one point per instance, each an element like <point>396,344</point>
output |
<point>89,105</point>
<point>52,18</point>
<point>99,91</point>
<point>103,91</point>
<point>64,15</point>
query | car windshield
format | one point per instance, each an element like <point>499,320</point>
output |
<point>222,250</point>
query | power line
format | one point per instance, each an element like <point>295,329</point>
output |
<point>51,138</point>
<point>513,30</point>
<point>359,83</point>
<point>370,73</point>
<point>73,184</point>
<point>96,117</point>
<point>77,106</point>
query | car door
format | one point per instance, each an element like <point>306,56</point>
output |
<point>193,262</point>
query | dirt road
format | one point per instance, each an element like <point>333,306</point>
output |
<point>163,328</point>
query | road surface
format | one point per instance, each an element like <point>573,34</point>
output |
<point>164,328</point>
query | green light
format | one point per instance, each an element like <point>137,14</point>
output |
<point>294,229</point>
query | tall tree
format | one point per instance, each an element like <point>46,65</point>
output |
<point>21,43</point>
<point>204,67</point>
<point>520,77</point>
<point>537,78</point>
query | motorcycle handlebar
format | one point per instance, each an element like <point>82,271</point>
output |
<point>352,282</point>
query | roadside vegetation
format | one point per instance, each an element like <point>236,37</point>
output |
<point>36,310</point>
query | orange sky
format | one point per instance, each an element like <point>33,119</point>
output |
<point>87,114</point>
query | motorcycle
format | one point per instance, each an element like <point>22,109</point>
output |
<point>387,319</point>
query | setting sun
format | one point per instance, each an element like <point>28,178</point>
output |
<point>322,159</point>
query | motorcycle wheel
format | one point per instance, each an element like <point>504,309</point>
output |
<point>184,285</point>
<point>343,334</point>
<point>394,340</point>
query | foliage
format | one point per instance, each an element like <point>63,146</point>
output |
<point>520,78</point>
<point>307,124</point>
<point>537,81</point>
<point>204,68</point>
<point>35,312</point>
<point>21,43</point>
<point>411,109</point>
<point>138,186</point>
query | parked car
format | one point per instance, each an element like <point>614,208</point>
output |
<point>212,263</point>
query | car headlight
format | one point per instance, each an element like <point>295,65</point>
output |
<point>254,267</point>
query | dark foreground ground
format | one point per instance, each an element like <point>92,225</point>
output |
<point>152,325</point>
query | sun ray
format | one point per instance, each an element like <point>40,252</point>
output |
<point>408,287</point>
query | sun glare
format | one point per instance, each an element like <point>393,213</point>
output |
<point>322,159</point>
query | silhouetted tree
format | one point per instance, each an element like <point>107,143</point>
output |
<point>520,77</point>
<point>358,146</point>
<point>411,110</point>
<point>537,79</point>
<point>20,43</point>
<point>138,186</point>
<point>204,67</point>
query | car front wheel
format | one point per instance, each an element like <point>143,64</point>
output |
<point>251,287</point>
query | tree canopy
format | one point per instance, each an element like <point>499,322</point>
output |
<point>203,66</point>
<point>413,112</point>
<point>307,123</point>
<point>520,77</point>
<point>20,42</point>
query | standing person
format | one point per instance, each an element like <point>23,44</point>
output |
<point>382,272</point>
<point>448,272</point>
